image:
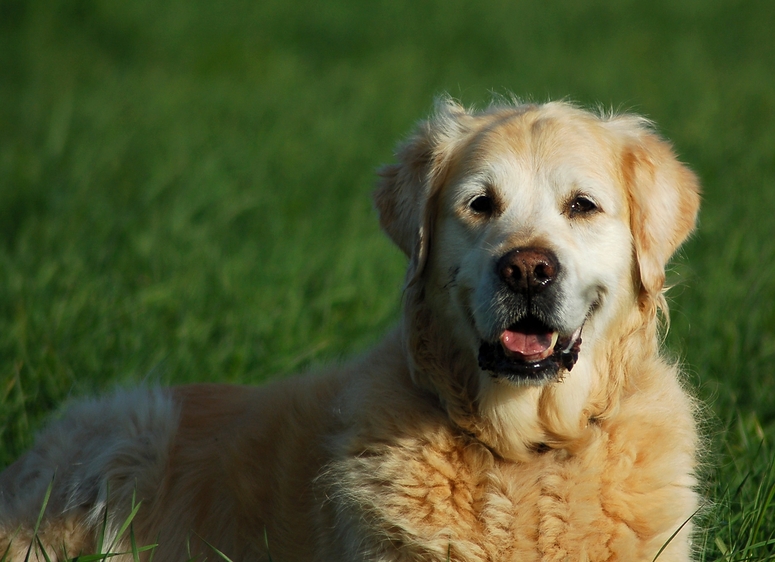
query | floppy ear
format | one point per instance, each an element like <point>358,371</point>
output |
<point>407,190</point>
<point>664,200</point>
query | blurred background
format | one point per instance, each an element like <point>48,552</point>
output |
<point>185,188</point>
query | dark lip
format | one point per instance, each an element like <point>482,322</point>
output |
<point>493,358</point>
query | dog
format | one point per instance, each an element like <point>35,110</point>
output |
<point>521,410</point>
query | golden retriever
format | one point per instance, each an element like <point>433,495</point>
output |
<point>481,428</point>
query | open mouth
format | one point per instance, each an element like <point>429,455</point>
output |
<point>529,351</point>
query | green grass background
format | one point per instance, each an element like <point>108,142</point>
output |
<point>185,189</point>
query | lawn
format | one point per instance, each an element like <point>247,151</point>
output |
<point>185,190</point>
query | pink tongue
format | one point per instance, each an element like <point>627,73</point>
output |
<point>526,344</point>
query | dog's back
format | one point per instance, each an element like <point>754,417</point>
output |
<point>199,458</point>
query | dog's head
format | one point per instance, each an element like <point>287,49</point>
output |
<point>530,226</point>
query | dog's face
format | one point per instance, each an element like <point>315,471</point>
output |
<point>529,226</point>
<point>531,242</point>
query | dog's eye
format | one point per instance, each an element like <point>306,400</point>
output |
<point>482,205</point>
<point>581,205</point>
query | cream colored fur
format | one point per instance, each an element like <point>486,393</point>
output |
<point>412,452</point>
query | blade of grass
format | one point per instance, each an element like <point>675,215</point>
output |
<point>43,549</point>
<point>46,498</point>
<point>678,530</point>
<point>266,542</point>
<point>218,552</point>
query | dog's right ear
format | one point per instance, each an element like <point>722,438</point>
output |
<point>407,192</point>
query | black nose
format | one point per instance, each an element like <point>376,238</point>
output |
<point>528,270</point>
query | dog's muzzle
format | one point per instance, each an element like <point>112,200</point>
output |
<point>529,351</point>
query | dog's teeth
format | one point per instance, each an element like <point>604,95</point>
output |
<point>573,339</point>
<point>555,337</point>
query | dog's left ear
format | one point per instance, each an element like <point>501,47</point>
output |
<point>664,200</point>
<point>407,191</point>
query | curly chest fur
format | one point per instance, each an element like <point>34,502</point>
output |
<point>450,498</point>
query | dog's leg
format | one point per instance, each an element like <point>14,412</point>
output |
<point>25,495</point>
<point>84,474</point>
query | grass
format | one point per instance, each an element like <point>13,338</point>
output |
<point>184,190</point>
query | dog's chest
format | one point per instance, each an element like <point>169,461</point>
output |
<point>454,500</point>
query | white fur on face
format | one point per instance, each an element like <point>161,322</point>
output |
<point>534,177</point>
